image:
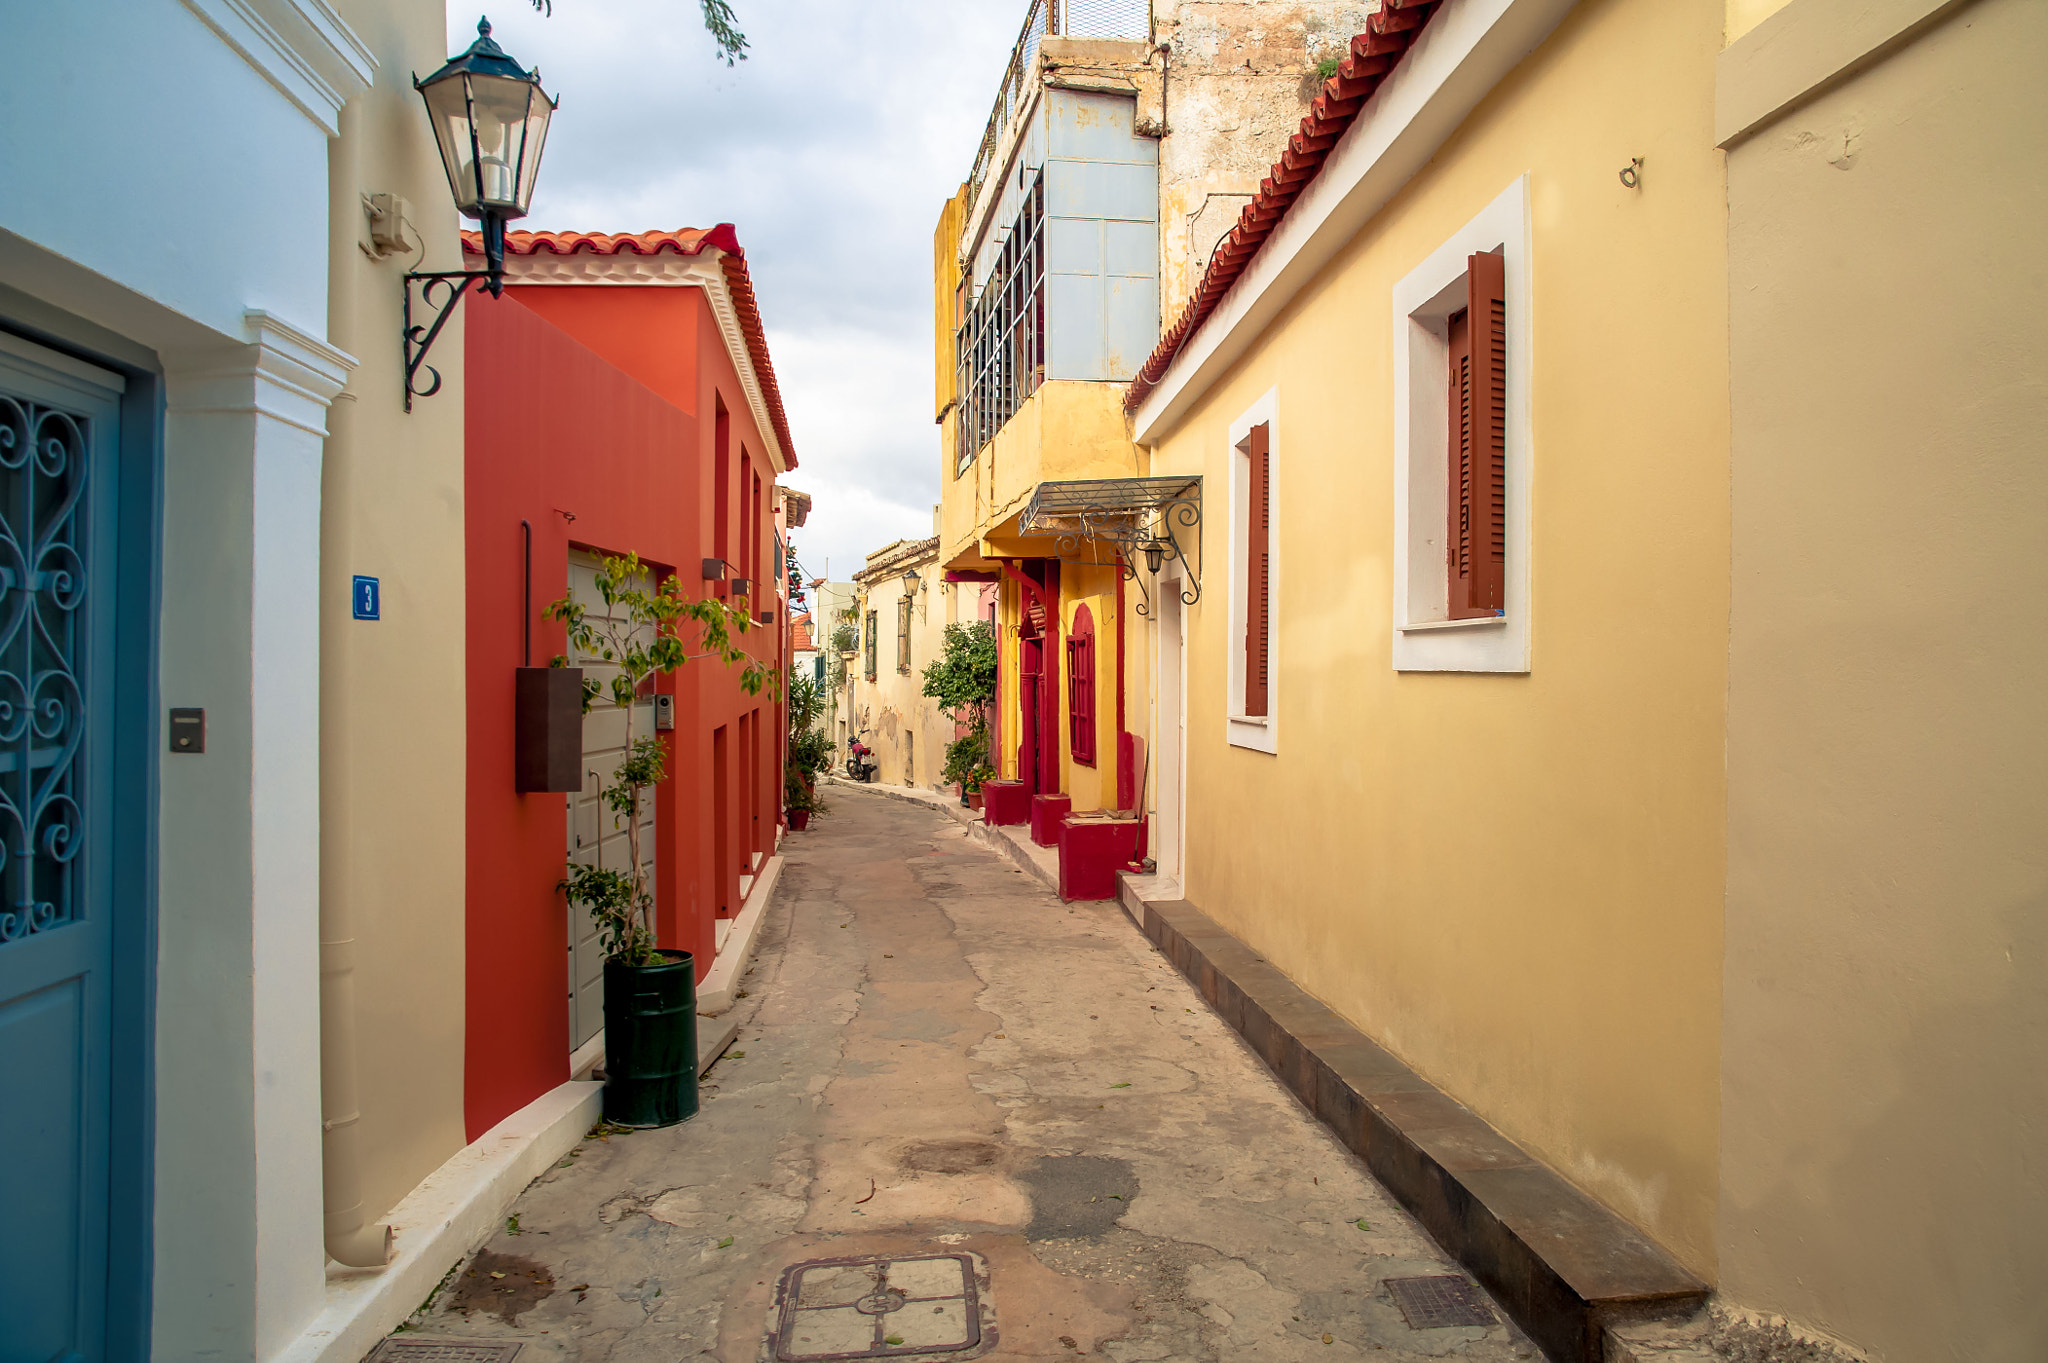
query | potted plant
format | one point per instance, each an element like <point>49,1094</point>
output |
<point>846,639</point>
<point>963,680</point>
<point>966,759</point>
<point>799,802</point>
<point>650,993</point>
<point>976,778</point>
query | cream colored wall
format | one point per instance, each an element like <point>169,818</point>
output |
<point>391,692</point>
<point>1513,881</point>
<point>1885,1042</point>
<point>895,701</point>
<point>1744,15</point>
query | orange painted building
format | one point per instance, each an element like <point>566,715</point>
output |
<point>620,399</point>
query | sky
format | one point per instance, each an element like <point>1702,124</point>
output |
<point>831,149</point>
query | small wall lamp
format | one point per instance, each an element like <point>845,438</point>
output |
<point>490,121</point>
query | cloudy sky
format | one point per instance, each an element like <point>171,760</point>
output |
<point>831,149</point>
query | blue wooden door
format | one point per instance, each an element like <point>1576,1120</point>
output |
<point>60,917</point>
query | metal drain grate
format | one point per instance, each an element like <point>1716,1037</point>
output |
<point>428,1349</point>
<point>917,1305</point>
<point>1430,1303</point>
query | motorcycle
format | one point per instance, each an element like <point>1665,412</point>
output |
<point>861,764</point>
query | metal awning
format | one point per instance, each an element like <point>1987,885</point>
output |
<point>1059,507</point>
<point>1134,515</point>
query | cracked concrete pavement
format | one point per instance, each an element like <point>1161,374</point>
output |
<point>936,1056</point>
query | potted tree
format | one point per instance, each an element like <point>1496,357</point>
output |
<point>962,679</point>
<point>650,992</point>
<point>810,752</point>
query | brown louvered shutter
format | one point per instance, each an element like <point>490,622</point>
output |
<point>1478,464</point>
<point>1259,574</point>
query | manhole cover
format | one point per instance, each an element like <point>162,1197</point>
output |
<point>1429,1303</point>
<point>427,1349</point>
<point>914,1306</point>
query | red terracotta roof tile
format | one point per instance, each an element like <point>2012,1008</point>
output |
<point>687,241</point>
<point>1375,52</point>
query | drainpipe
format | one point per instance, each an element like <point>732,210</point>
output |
<point>349,1240</point>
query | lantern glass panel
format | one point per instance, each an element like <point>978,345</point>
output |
<point>448,108</point>
<point>500,107</point>
<point>538,111</point>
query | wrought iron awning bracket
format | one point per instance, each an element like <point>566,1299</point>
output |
<point>420,339</point>
<point>1132,515</point>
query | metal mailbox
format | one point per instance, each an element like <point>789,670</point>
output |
<point>547,747</point>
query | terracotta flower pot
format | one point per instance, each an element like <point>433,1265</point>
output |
<point>799,819</point>
<point>974,799</point>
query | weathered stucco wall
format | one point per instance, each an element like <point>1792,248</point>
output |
<point>1513,881</point>
<point>1239,76</point>
<point>1886,1025</point>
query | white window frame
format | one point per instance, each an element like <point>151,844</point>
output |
<point>1425,638</point>
<point>1261,733</point>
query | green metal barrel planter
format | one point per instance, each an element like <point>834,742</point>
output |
<point>650,1041</point>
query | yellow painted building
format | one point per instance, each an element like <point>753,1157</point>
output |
<point>1493,843</point>
<point>1692,841</point>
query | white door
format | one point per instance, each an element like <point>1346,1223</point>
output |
<point>597,837</point>
<point>1169,739</point>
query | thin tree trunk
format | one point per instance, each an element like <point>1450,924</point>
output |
<point>640,906</point>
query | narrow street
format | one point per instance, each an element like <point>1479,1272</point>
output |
<point>938,1058</point>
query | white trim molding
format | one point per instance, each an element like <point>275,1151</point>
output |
<point>456,1208</point>
<point>1464,51</point>
<point>300,46</point>
<point>665,269</point>
<point>1261,733</point>
<point>284,373</point>
<point>1425,638</point>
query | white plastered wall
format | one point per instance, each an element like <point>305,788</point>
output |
<point>199,243</point>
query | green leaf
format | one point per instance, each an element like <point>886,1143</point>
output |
<point>1362,1225</point>
<point>1119,1086</point>
<point>893,1339</point>
<point>725,1242</point>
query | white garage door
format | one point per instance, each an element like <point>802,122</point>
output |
<point>597,837</point>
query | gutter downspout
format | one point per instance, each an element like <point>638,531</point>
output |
<point>349,1241</point>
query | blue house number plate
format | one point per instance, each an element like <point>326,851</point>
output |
<point>366,598</point>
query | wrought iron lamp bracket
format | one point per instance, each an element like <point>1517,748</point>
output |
<point>420,339</point>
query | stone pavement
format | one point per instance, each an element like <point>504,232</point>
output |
<point>937,1058</point>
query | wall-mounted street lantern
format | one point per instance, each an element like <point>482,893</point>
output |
<point>912,580</point>
<point>490,120</point>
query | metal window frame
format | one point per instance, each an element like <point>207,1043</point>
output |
<point>1000,344</point>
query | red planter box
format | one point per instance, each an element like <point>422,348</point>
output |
<point>1005,802</point>
<point>1092,850</point>
<point>1046,813</point>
